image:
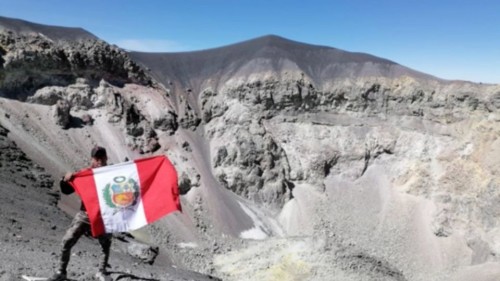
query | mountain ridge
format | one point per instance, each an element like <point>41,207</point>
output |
<point>265,54</point>
<point>271,53</point>
<point>55,33</point>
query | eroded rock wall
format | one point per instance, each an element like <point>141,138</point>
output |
<point>31,61</point>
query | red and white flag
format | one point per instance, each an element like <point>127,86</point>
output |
<point>128,196</point>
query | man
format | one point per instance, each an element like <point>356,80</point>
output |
<point>80,225</point>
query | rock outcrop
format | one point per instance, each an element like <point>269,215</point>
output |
<point>32,61</point>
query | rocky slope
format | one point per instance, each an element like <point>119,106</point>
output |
<point>296,162</point>
<point>32,229</point>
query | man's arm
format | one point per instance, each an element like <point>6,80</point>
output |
<point>66,188</point>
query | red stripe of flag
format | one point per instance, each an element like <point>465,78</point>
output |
<point>85,180</point>
<point>159,190</point>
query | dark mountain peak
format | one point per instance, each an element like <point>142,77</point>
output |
<point>55,33</point>
<point>272,37</point>
<point>270,54</point>
<point>271,42</point>
<point>272,47</point>
<point>275,40</point>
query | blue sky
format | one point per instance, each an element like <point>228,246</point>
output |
<point>457,39</point>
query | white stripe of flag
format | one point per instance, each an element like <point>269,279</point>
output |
<point>119,219</point>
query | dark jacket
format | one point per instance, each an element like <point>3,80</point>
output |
<point>67,189</point>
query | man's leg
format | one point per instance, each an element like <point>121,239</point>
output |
<point>105,241</point>
<point>78,227</point>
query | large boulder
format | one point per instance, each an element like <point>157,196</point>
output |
<point>143,252</point>
<point>48,95</point>
<point>167,123</point>
<point>62,113</point>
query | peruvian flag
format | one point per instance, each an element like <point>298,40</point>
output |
<point>129,195</point>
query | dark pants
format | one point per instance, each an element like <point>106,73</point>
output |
<point>79,226</point>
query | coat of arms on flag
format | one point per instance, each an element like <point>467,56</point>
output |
<point>121,193</point>
<point>127,196</point>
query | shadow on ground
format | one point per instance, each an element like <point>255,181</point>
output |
<point>124,275</point>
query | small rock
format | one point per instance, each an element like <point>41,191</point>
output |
<point>145,253</point>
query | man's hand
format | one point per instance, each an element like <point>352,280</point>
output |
<point>68,176</point>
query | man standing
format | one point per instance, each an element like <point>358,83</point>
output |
<point>80,225</point>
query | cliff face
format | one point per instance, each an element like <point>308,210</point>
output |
<point>31,61</point>
<point>366,169</point>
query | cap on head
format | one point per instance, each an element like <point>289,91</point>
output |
<point>98,152</point>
